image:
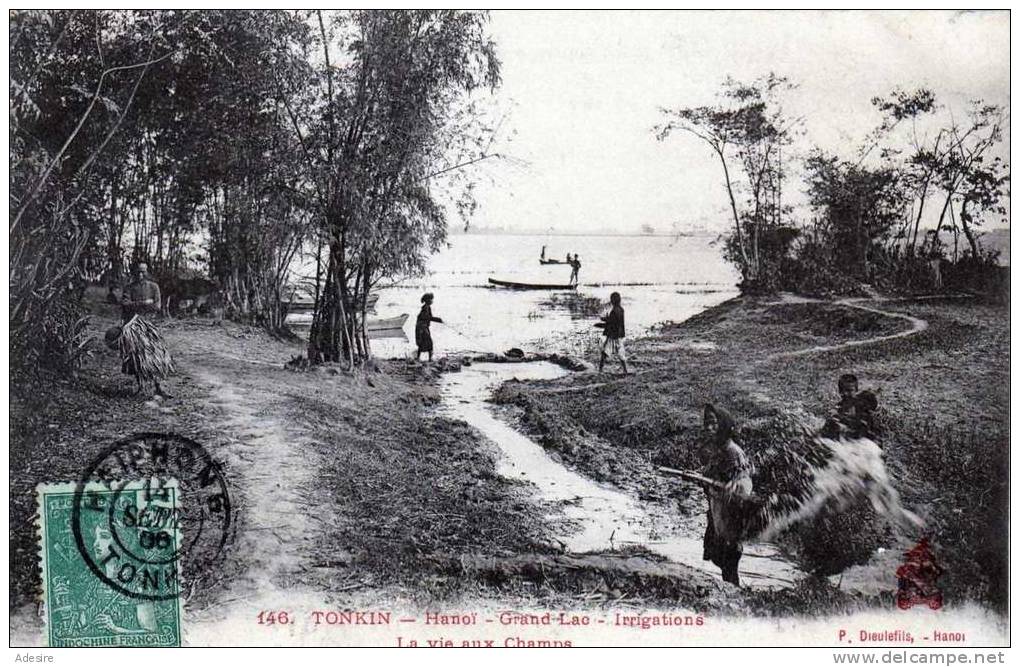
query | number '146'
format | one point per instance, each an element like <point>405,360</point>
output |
<point>273,618</point>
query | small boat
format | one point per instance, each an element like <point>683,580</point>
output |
<point>513,285</point>
<point>552,261</point>
<point>298,305</point>
<point>390,327</point>
<point>381,324</point>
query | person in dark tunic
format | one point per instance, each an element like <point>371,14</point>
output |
<point>142,296</point>
<point>727,509</point>
<point>575,269</point>
<point>422,334</point>
<point>612,328</point>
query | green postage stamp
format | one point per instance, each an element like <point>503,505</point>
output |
<point>110,563</point>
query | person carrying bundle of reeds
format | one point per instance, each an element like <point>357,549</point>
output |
<point>141,296</point>
<point>726,464</point>
<point>142,351</point>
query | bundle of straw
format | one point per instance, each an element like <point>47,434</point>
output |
<point>142,350</point>
<point>831,499</point>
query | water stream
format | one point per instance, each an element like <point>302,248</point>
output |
<point>600,517</point>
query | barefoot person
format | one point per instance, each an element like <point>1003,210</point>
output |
<point>613,330</point>
<point>422,333</point>
<point>575,269</point>
<point>726,463</point>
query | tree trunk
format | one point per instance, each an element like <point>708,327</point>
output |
<point>920,211</point>
<point>744,270</point>
<point>967,231</point>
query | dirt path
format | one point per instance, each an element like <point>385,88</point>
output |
<point>917,325</point>
<point>272,470</point>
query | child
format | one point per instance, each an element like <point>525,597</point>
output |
<point>854,413</point>
<point>613,329</point>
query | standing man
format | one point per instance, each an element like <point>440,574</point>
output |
<point>575,268</point>
<point>613,330</point>
<point>142,296</point>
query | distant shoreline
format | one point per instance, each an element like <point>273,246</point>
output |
<point>589,234</point>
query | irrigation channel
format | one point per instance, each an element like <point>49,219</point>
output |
<point>600,518</point>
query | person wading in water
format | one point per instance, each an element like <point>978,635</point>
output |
<point>727,512</point>
<point>422,333</point>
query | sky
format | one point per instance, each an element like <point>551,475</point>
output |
<point>582,90</point>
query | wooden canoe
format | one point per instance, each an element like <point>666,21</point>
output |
<point>552,261</point>
<point>299,305</point>
<point>513,285</point>
<point>387,323</point>
<point>390,327</point>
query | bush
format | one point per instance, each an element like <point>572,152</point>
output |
<point>978,274</point>
<point>61,342</point>
<point>812,272</point>
<point>773,248</point>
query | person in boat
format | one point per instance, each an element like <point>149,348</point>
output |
<point>612,328</point>
<point>575,268</point>
<point>422,333</point>
<point>543,252</point>
<point>726,463</point>
<point>569,259</point>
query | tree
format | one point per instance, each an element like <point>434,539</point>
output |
<point>382,118</point>
<point>857,206</point>
<point>75,76</point>
<point>982,190</point>
<point>922,164</point>
<point>748,127</point>
<point>963,171</point>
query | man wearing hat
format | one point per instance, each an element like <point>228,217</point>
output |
<point>422,334</point>
<point>142,296</point>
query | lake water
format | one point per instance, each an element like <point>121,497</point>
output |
<point>659,278</point>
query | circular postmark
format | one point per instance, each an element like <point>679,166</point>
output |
<point>148,509</point>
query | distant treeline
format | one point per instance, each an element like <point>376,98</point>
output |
<point>903,212</point>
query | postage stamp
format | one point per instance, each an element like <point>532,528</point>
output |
<point>204,524</point>
<point>110,565</point>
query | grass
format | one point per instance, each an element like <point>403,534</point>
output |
<point>401,492</point>
<point>943,396</point>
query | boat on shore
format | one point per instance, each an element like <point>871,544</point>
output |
<point>379,324</point>
<point>534,286</point>
<point>388,327</point>
<point>298,305</point>
<point>552,261</point>
<point>376,327</point>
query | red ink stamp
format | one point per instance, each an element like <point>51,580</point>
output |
<point>917,576</point>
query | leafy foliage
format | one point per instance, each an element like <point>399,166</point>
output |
<point>223,143</point>
<point>747,128</point>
